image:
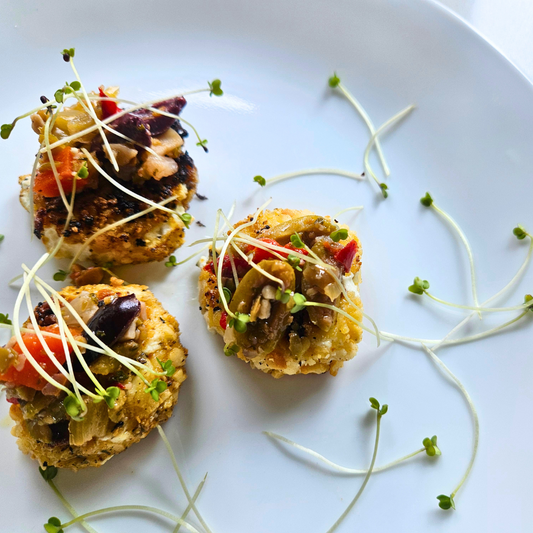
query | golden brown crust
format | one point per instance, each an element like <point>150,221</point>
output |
<point>329,350</point>
<point>135,413</point>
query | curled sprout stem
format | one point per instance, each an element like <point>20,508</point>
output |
<point>181,480</point>
<point>365,481</point>
<point>374,136</point>
<point>473,410</point>
<point>335,466</point>
<point>463,238</point>
<point>355,208</point>
<point>480,308</point>
<point>364,115</point>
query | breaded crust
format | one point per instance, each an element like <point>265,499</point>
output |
<point>135,413</point>
<point>151,237</point>
<point>328,350</point>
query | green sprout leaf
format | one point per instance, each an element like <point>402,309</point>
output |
<point>374,404</point>
<point>520,232</point>
<point>75,85</point>
<point>334,80</point>
<point>296,241</point>
<point>203,145</point>
<point>419,286</point>
<point>294,261</point>
<point>111,395</point>
<point>171,261</point>
<point>186,219</point>
<point>2,237</point>
<point>156,388</point>
<point>83,172</point>
<point>446,502</point>
<point>72,406</point>
<point>168,368</point>
<point>283,296</point>
<point>230,349</point>
<point>48,472</point>
<point>5,130</point>
<point>339,235</point>
<point>430,444</point>
<point>257,179</point>
<point>527,299</point>
<point>67,53</point>
<point>53,525</point>
<point>4,319</point>
<point>59,95</point>
<point>384,190</point>
<point>239,322</point>
<point>299,302</point>
<point>383,409</point>
<point>227,294</point>
<point>215,88</point>
<point>60,275</point>
<point>427,200</point>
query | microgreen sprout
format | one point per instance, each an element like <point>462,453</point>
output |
<point>380,411</point>
<point>83,172</point>
<point>4,319</point>
<point>60,275</point>
<point>239,322</point>
<point>156,388</point>
<point>527,299</point>
<point>384,190</point>
<point>214,87</point>
<point>283,296</point>
<point>227,294</point>
<point>257,179</point>
<point>186,219</point>
<point>294,261</point>
<point>334,81</point>
<point>5,130</point>
<point>67,53</point>
<point>2,237</point>
<point>426,200</point>
<point>72,406</point>
<point>419,286</point>
<point>339,235</point>
<point>202,143</point>
<point>299,302</point>
<point>446,502</point>
<point>168,368</point>
<point>520,232</point>
<point>111,395</point>
<point>297,241</point>
<point>48,472</point>
<point>171,261</point>
<point>430,444</point>
<point>53,525</point>
<point>230,349</point>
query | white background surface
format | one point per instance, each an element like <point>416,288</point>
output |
<point>469,143</point>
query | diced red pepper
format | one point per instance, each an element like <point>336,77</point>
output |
<point>224,320</point>
<point>109,108</point>
<point>13,400</point>
<point>260,254</point>
<point>346,255</point>
<point>45,182</point>
<point>28,376</point>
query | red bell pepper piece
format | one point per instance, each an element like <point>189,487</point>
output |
<point>109,108</point>
<point>224,320</point>
<point>346,255</point>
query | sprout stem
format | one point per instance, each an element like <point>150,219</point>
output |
<point>365,481</point>
<point>336,466</point>
<point>480,308</point>
<point>312,171</point>
<point>474,416</point>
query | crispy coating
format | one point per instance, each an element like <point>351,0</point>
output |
<point>151,237</point>
<point>328,350</point>
<point>136,413</point>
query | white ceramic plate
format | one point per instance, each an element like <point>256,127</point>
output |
<point>468,142</point>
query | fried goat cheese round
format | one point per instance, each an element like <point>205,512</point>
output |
<point>165,172</point>
<point>133,323</point>
<point>277,321</point>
